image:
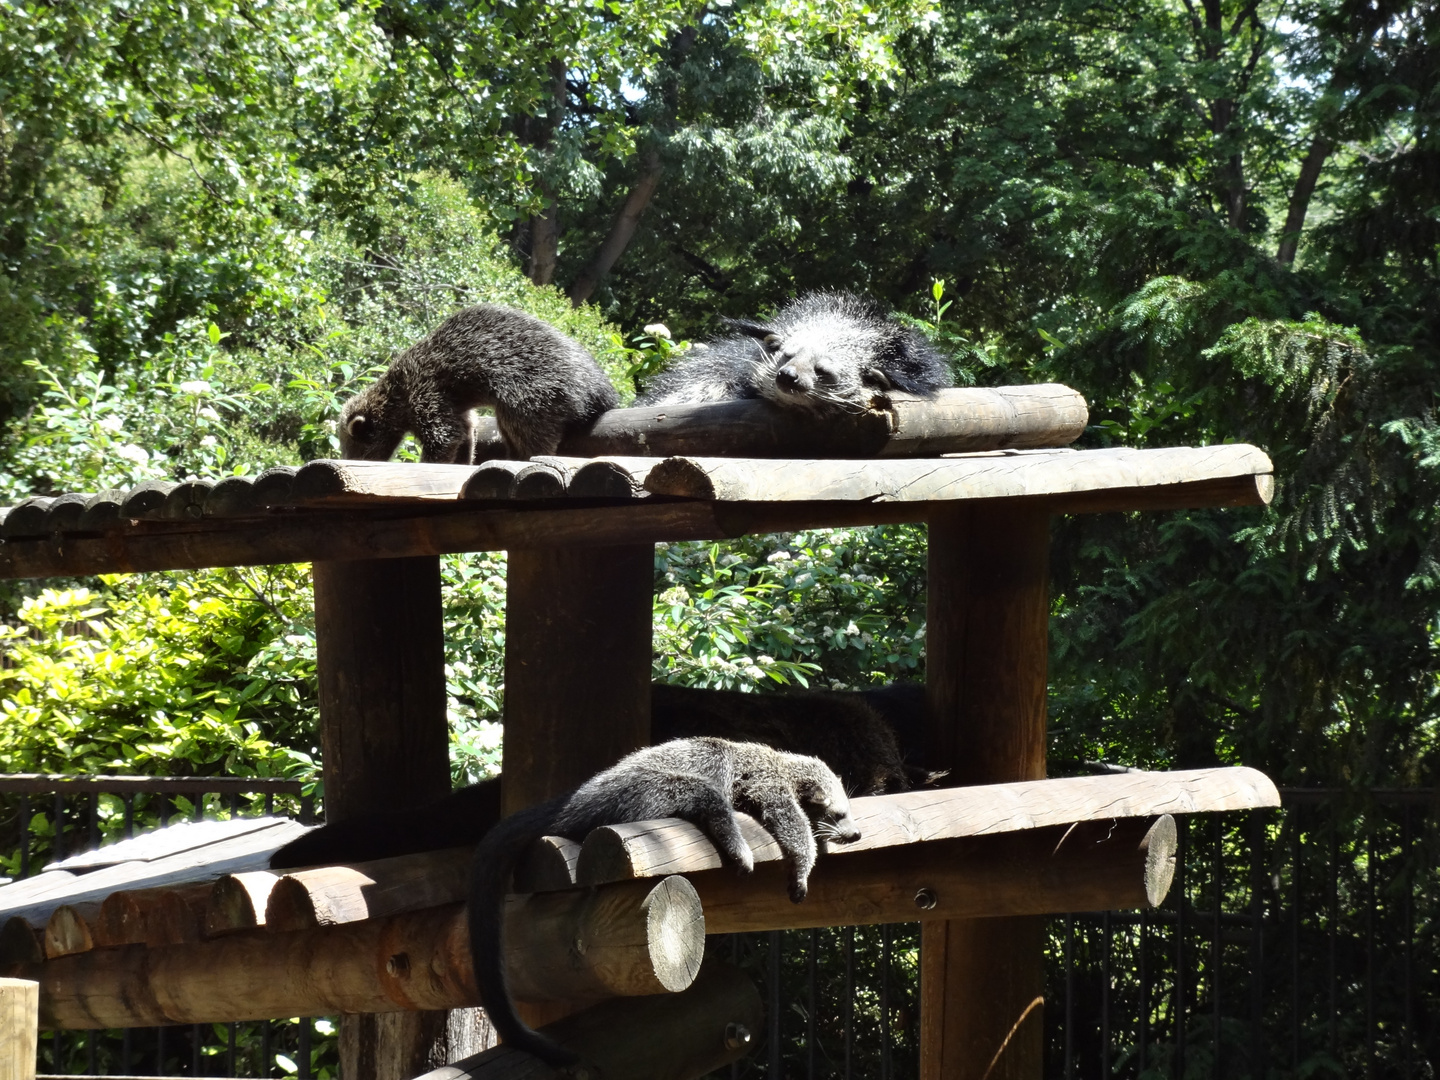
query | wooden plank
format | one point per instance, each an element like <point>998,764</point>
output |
<point>665,1037</point>
<point>47,881</point>
<point>19,1028</point>
<point>26,519</point>
<point>609,477</point>
<point>102,511</point>
<point>333,895</point>
<point>144,499</point>
<point>348,535</point>
<point>69,783</point>
<point>329,482</point>
<point>238,902</point>
<point>671,846</point>
<point>982,476</point>
<point>64,513</point>
<point>248,852</point>
<point>167,840</point>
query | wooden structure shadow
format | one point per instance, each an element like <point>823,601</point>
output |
<point>580,533</point>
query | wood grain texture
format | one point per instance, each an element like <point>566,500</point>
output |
<point>342,535</point>
<point>637,937</point>
<point>896,424</point>
<point>19,1028</point>
<point>237,902</point>
<point>987,608</point>
<point>1092,866</point>
<point>665,1037</point>
<point>577,666</point>
<point>333,895</point>
<point>326,481</point>
<point>250,851</point>
<point>671,846</point>
<point>979,476</point>
<point>380,660</point>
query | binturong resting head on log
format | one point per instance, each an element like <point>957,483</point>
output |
<point>824,352</point>
<point>540,383</point>
<point>702,780</point>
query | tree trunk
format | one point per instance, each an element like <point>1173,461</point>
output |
<point>1300,198</point>
<point>621,231</point>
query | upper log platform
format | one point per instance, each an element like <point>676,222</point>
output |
<point>366,510</point>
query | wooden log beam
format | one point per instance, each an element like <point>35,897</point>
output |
<point>855,493</point>
<point>1059,473</point>
<point>635,937</point>
<point>665,1037</point>
<point>896,425</point>
<point>671,846</point>
<point>19,1028</point>
<point>1091,866</point>
<point>987,608</point>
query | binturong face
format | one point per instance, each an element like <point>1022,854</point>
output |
<point>828,808</point>
<point>367,432</point>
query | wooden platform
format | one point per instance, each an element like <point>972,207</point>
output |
<point>354,510</point>
<point>128,912</point>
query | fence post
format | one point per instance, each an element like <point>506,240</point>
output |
<point>19,1028</point>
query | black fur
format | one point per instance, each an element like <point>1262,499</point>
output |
<point>702,780</point>
<point>850,732</point>
<point>826,351</point>
<point>540,383</point>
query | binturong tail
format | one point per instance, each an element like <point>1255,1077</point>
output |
<point>495,861</point>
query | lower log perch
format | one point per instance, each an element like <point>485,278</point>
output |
<point>421,960</point>
<point>663,1037</point>
<point>639,937</point>
<point>1090,866</point>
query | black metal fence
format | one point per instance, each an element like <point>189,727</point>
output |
<point>1294,944</point>
<point>43,819</point>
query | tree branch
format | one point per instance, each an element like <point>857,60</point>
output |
<point>622,231</point>
<point>1320,148</point>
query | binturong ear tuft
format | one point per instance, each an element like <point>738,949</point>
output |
<point>360,427</point>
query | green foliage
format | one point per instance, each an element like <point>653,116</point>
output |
<point>209,673</point>
<point>843,607</point>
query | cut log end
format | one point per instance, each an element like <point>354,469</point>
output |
<point>1160,845</point>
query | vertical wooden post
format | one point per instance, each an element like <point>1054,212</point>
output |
<point>577,676</point>
<point>380,655</point>
<point>982,980</point>
<point>577,665</point>
<point>19,1028</point>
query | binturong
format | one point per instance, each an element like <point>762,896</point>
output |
<point>541,384</point>
<point>703,780</point>
<point>824,352</point>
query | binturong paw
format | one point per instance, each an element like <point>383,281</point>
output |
<point>798,891</point>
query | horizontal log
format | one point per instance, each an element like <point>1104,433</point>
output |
<point>671,846</point>
<point>633,938</point>
<point>250,851</point>
<point>663,1037</point>
<point>238,902</point>
<point>332,895</point>
<point>978,476</point>
<point>450,526</point>
<point>163,916</point>
<point>1091,866</point>
<point>896,425</point>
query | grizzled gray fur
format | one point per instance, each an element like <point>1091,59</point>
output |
<point>540,383</point>
<point>826,351</point>
<point>704,781</point>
